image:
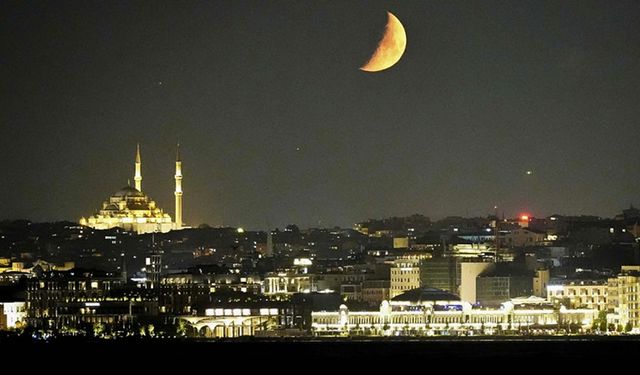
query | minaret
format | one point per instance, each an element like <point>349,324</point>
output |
<point>138,176</point>
<point>178,192</point>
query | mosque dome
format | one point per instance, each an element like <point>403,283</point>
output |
<point>129,191</point>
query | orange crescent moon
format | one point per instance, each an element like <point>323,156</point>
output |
<point>390,48</point>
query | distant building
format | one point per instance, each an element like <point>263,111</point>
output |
<point>131,209</point>
<point>406,274</point>
<point>591,294</point>
<point>628,295</point>
<point>442,273</point>
<point>244,318</point>
<point>375,291</point>
<point>80,298</point>
<point>540,282</point>
<point>429,311</point>
<point>12,314</point>
<point>503,284</point>
<point>401,242</point>
<point>523,237</point>
<point>284,283</point>
<point>469,271</point>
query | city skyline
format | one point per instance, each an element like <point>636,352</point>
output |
<point>527,106</point>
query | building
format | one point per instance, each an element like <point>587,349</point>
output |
<point>628,286</point>
<point>540,282</point>
<point>503,284</point>
<point>334,280</point>
<point>283,283</point>
<point>523,238</point>
<point>406,274</point>
<point>81,298</point>
<point>442,273</point>
<point>131,209</point>
<point>12,314</point>
<point>375,291</point>
<point>244,318</point>
<point>429,311</point>
<point>591,294</point>
<point>469,272</point>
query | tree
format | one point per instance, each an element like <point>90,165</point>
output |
<point>181,330</point>
<point>98,329</point>
<point>150,329</point>
<point>601,321</point>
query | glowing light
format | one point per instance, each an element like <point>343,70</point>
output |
<point>240,230</point>
<point>524,217</point>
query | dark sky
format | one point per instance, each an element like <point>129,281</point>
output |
<point>278,125</point>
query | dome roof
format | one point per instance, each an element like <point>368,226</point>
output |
<point>112,207</point>
<point>426,294</point>
<point>128,191</point>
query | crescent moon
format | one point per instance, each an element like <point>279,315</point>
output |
<point>390,48</point>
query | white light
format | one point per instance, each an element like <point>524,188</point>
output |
<point>240,230</point>
<point>92,304</point>
<point>209,312</point>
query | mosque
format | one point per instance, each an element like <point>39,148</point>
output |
<point>131,209</point>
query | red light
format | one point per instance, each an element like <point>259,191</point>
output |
<point>524,218</point>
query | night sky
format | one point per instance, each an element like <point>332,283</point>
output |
<point>277,125</point>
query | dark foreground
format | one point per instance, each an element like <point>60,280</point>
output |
<point>465,352</point>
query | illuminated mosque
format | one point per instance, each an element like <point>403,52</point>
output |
<point>131,209</point>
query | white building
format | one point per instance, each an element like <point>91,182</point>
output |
<point>428,311</point>
<point>12,314</point>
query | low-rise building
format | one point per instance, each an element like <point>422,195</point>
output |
<point>427,311</point>
<point>591,294</point>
